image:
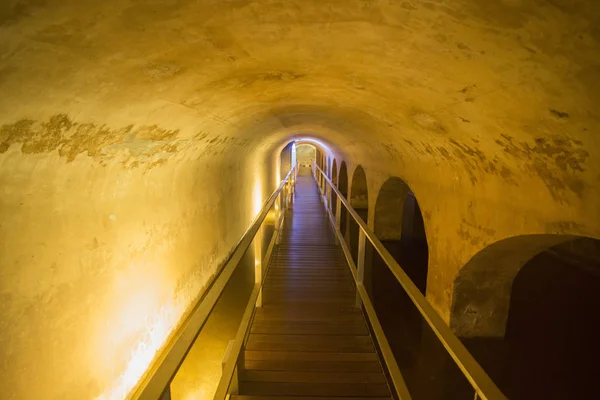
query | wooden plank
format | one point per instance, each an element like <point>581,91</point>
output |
<point>307,283</point>
<point>295,365</point>
<point>310,327</point>
<point>307,301</point>
<point>313,377</point>
<point>312,343</point>
<point>314,389</point>
<point>242,397</point>
<point>303,284</point>
<point>309,273</point>
<point>314,311</point>
<point>309,293</point>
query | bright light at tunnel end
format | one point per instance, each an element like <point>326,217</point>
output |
<point>304,140</point>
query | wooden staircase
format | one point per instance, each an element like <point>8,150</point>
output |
<point>309,341</point>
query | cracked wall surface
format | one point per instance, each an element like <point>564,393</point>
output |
<point>133,135</point>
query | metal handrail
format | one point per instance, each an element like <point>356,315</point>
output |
<point>484,387</point>
<point>363,299</point>
<point>232,359</point>
<point>166,365</point>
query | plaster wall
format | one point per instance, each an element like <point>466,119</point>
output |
<point>102,256</point>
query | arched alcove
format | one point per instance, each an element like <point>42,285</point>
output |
<point>343,187</point>
<point>285,160</point>
<point>527,309</point>
<point>398,225</point>
<point>306,154</point>
<point>359,200</point>
<point>333,204</point>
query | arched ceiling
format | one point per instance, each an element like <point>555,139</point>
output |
<point>470,90</point>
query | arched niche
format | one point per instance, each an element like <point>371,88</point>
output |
<point>285,160</point>
<point>359,200</point>
<point>334,179</point>
<point>481,294</point>
<point>400,227</point>
<point>343,187</point>
<point>527,309</point>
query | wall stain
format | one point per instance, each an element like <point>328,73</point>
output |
<point>558,114</point>
<point>474,233</point>
<point>71,138</point>
<point>557,160</point>
<point>158,71</point>
<point>249,79</point>
<point>565,227</point>
<point>465,235</point>
<point>428,122</point>
<point>391,150</point>
<point>476,162</point>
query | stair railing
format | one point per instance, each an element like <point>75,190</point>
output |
<point>483,386</point>
<point>155,385</point>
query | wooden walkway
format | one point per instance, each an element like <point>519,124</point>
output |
<point>308,341</point>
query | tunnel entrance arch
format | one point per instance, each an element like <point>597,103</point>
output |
<point>527,309</point>
<point>359,200</point>
<point>343,187</point>
<point>306,155</point>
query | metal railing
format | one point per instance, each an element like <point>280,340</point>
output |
<point>483,386</point>
<point>155,384</point>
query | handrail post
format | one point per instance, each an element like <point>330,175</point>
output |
<point>338,217</point>
<point>234,384</point>
<point>360,276</point>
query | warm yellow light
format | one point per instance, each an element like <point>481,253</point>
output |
<point>278,171</point>
<point>138,296</point>
<point>257,196</point>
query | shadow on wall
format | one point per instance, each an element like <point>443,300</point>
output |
<point>534,332</point>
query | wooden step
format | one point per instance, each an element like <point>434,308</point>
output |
<point>314,389</point>
<point>316,357</point>
<point>309,327</point>
<point>313,376</point>
<point>310,343</point>
<point>290,364</point>
<point>244,397</point>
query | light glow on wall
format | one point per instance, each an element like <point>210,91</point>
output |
<point>257,200</point>
<point>137,295</point>
<point>278,171</point>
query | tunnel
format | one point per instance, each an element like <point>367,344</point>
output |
<point>446,151</point>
